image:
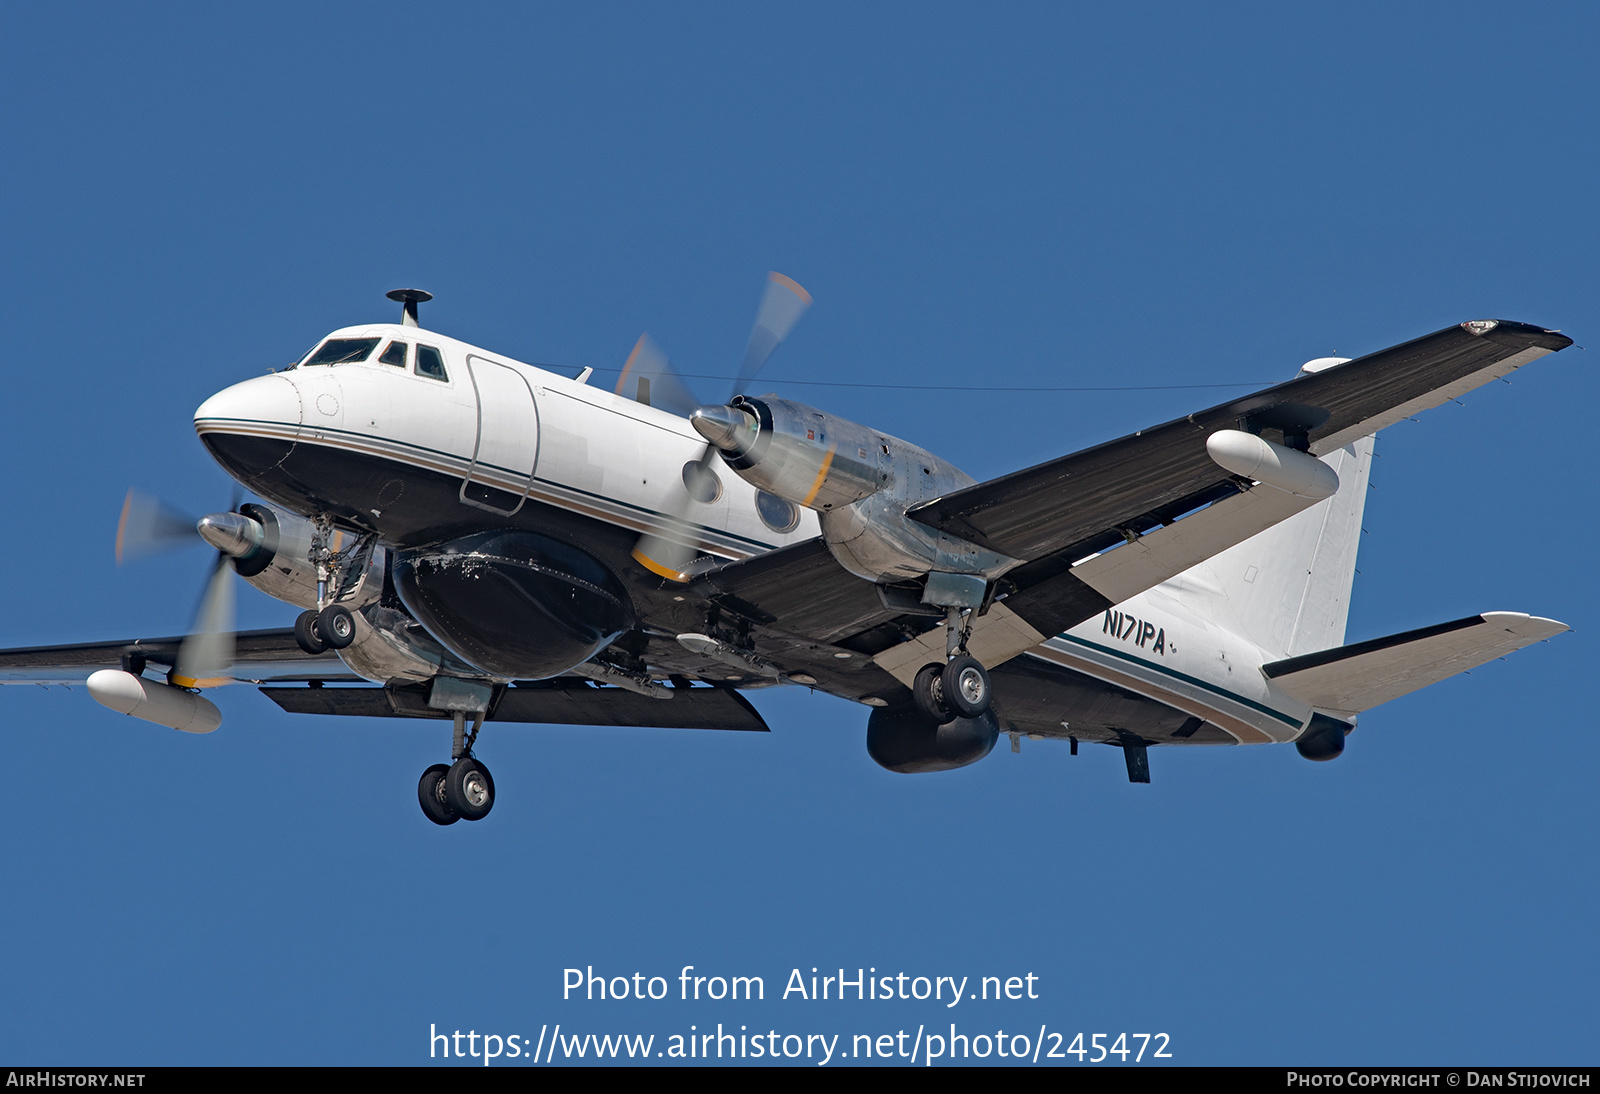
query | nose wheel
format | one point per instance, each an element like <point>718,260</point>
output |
<point>463,790</point>
<point>331,626</point>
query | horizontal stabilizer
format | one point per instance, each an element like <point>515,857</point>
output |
<point>1350,679</point>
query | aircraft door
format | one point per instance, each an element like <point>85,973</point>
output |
<point>507,447</point>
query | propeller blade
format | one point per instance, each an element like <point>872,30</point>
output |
<point>208,651</point>
<point>663,549</point>
<point>650,379</point>
<point>149,525</point>
<point>664,557</point>
<point>781,308</point>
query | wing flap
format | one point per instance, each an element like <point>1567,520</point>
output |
<point>1350,679</point>
<point>800,588</point>
<point>561,702</point>
<point>1151,559</point>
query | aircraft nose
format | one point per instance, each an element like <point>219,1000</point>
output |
<point>271,401</point>
<point>250,426</point>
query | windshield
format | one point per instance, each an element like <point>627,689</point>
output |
<point>343,351</point>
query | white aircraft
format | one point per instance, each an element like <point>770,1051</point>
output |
<point>478,540</point>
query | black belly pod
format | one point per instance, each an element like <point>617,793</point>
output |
<point>906,740</point>
<point>1323,739</point>
<point>515,604</point>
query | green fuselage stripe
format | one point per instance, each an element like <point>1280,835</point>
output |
<point>1163,670</point>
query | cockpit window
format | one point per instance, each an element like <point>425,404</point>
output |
<point>343,351</point>
<point>430,363</point>
<point>395,354</point>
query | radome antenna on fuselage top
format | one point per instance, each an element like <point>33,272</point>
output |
<point>410,298</point>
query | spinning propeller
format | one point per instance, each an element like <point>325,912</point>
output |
<point>666,549</point>
<point>148,526</point>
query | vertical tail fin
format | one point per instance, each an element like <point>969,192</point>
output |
<point>1288,589</point>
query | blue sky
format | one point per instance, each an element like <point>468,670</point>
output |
<point>1022,195</point>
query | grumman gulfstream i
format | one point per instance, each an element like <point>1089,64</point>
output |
<point>480,541</point>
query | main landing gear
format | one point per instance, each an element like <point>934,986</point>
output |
<point>959,688</point>
<point>333,628</point>
<point>463,790</point>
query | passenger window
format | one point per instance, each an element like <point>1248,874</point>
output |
<point>430,363</point>
<point>395,354</point>
<point>779,515</point>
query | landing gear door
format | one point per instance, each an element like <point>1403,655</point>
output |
<point>507,447</point>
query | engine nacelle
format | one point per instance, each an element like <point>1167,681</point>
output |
<point>276,557</point>
<point>392,648</point>
<point>514,604</point>
<point>859,480</point>
<point>908,741</point>
<point>797,452</point>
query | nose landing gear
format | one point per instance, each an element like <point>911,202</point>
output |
<point>329,625</point>
<point>463,790</point>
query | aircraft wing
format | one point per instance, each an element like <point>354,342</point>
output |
<point>258,656</point>
<point>1082,502</point>
<point>1157,491</point>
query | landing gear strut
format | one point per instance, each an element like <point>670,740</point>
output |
<point>959,688</point>
<point>330,625</point>
<point>463,790</point>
